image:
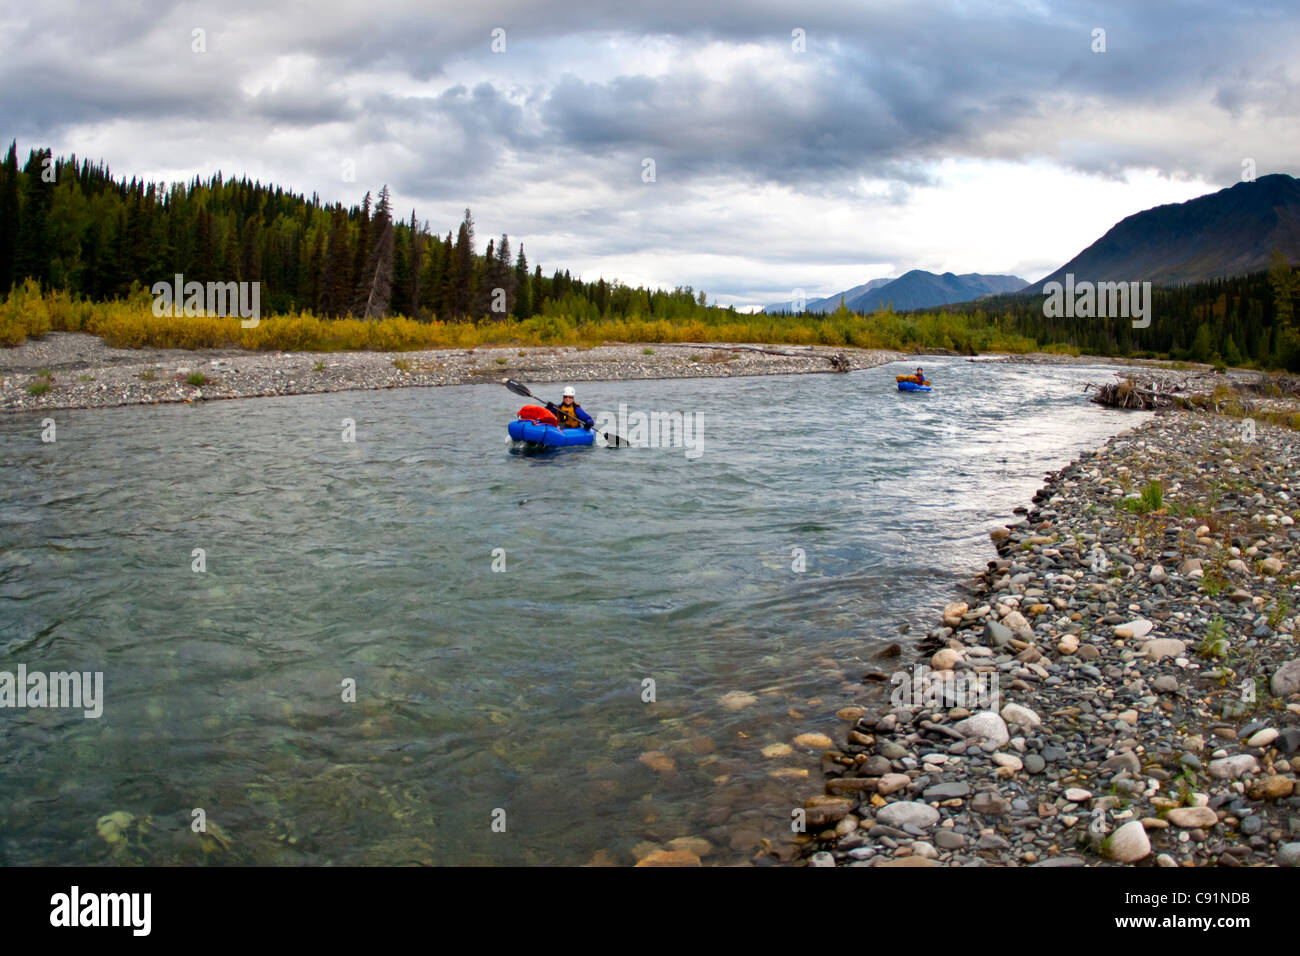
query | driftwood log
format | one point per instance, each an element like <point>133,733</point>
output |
<point>839,361</point>
<point>1146,394</point>
<point>740,348</point>
<point>1273,385</point>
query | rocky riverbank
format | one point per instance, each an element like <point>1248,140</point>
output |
<point>1121,685</point>
<point>73,370</point>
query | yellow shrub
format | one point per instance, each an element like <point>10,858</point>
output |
<point>24,314</point>
<point>130,323</point>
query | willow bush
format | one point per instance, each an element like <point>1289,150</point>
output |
<point>131,323</point>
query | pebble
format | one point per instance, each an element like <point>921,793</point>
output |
<point>676,858</point>
<point>1188,817</point>
<point>990,804</point>
<point>952,614</point>
<point>737,700</point>
<point>1229,768</point>
<point>658,761</point>
<point>1161,647</point>
<point>986,728</point>
<point>946,791</point>
<point>892,783</point>
<point>1286,680</point>
<point>1136,628</point>
<point>903,813</point>
<point>1017,714</point>
<point>997,634</point>
<point>1272,787</point>
<point>945,660</point>
<point>1130,843</point>
<point>1262,738</point>
<point>1009,761</point>
<point>949,839</point>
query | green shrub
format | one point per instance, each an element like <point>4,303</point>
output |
<point>1151,498</point>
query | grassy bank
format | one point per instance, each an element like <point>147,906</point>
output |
<point>131,324</point>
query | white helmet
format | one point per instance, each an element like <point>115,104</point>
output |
<point>569,392</point>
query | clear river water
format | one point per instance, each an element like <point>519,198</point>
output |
<point>499,614</point>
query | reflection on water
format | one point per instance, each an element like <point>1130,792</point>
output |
<point>515,694</point>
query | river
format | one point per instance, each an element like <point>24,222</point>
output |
<point>504,618</point>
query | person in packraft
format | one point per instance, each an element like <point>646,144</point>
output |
<point>570,413</point>
<point>920,376</point>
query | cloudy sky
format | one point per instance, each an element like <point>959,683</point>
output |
<point>793,144</point>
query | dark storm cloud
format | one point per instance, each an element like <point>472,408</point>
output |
<point>880,90</point>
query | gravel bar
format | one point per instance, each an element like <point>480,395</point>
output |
<point>83,372</point>
<point>1121,685</point>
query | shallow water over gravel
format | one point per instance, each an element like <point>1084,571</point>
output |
<point>481,691</point>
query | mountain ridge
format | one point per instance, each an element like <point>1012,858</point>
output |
<point>916,289</point>
<point>1227,233</point>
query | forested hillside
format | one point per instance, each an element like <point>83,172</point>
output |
<point>1243,319</point>
<point>95,245</point>
<point>71,226</point>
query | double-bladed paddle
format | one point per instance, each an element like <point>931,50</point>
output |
<point>521,389</point>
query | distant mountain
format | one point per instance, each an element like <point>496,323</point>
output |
<point>831,302</point>
<point>917,289</point>
<point>1231,232</point>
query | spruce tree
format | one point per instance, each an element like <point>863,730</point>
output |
<point>416,241</point>
<point>1283,280</point>
<point>462,271</point>
<point>505,278</point>
<point>310,280</point>
<point>523,296</point>
<point>32,256</point>
<point>378,276</point>
<point>360,259</point>
<point>336,283</point>
<point>9,185</point>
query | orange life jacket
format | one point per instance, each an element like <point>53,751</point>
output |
<point>567,416</point>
